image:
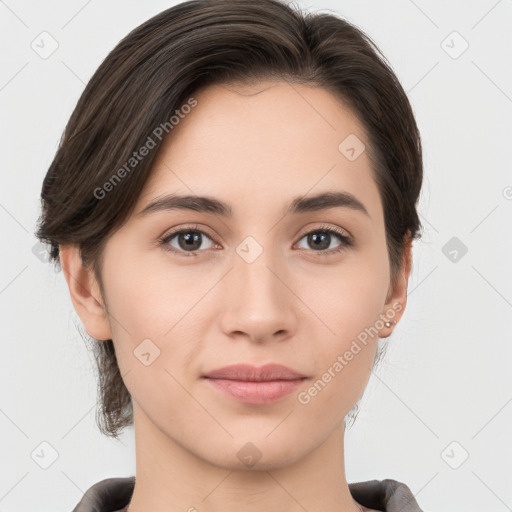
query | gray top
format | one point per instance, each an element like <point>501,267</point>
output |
<point>114,494</point>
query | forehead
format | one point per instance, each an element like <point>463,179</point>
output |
<point>268,141</point>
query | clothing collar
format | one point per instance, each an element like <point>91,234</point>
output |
<point>114,494</point>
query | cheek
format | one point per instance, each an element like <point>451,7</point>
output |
<point>346,311</point>
<point>147,298</point>
<point>335,391</point>
<point>346,299</point>
<point>154,321</point>
<point>343,360</point>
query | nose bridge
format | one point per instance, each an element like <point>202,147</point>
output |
<point>259,282</point>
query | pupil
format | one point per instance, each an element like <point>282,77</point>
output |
<point>190,240</point>
<point>318,239</point>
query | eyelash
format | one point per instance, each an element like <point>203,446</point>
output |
<point>344,239</point>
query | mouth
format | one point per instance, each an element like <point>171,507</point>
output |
<point>255,385</point>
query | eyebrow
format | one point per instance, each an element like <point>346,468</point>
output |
<point>302,204</point>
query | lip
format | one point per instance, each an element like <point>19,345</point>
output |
<point>255,385</point>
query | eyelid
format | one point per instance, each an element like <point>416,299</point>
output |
<point>306,231</point>
<point>194,226</point>
<point>172,232</point>
<point>327,227</point>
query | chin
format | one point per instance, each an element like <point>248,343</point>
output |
<point>253,456</point>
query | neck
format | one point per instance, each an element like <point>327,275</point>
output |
<point>170,478</point>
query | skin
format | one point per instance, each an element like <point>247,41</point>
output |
<point>255,147</point>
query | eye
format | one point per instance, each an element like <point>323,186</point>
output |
<point>322,237</point>
<point>188,240</point>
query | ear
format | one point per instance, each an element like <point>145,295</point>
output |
<point>396,300</point>
<point>85,293</point>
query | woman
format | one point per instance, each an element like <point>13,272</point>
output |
<point>233,205</point>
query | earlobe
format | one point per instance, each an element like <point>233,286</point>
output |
<point>397,299</point>
<point>85,293</point>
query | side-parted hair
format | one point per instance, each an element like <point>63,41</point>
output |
<point>148,81</point>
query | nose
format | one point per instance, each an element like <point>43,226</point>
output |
<point>258,303</point>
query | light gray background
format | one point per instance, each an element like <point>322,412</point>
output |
<point>444,390</point>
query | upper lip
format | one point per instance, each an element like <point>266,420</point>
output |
<point>250,373</point>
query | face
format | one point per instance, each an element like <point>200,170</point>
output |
<point>254,281</point>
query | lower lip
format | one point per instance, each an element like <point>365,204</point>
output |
<point>263,392</point>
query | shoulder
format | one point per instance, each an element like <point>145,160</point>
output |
<point>109,494</point>
<point>388,495</point>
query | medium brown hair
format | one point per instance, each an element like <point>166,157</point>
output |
<point>154,71</point>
